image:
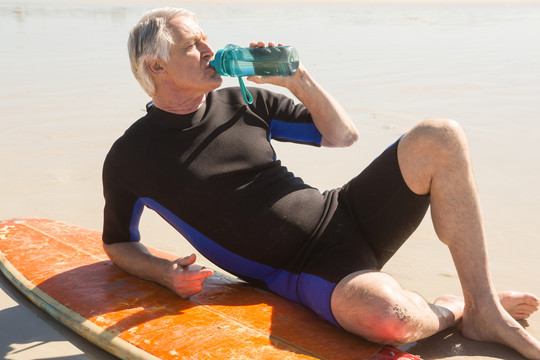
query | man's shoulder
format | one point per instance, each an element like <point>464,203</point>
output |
<point>133,135</point>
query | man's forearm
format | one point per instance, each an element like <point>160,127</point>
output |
<point>330,118</point>
<point>137,260</point>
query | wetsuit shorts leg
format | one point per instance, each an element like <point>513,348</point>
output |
<point>376,213</point>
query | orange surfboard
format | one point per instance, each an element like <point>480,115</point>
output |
<point>63,269</point>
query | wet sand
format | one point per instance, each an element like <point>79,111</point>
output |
<point>67,93</point>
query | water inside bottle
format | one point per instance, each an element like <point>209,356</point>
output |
<point>278,61</point>
<point>266,68</point>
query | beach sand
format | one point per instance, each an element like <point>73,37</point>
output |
<point>67,93</point>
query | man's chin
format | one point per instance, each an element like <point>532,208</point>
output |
<point>217,81</point>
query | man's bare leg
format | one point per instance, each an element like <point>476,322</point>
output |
<point>434,158</point>
<point>372,304</point>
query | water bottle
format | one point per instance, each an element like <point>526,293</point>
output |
<point>268,61</point>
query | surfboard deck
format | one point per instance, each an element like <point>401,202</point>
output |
<point>63,269</point>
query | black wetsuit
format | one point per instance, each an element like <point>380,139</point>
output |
<point>214,176</point>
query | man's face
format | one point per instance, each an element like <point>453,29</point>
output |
<point>190,55</point>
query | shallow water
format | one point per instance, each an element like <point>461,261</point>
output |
<point>67,93</point>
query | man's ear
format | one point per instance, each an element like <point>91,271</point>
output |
<point>155,67</point>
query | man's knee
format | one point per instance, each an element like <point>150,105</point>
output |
<point>368,305</point>
<point>430,146</point>
<point>439,134</point>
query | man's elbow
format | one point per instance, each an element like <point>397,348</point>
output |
<point>344,141</point>
<point>352,138</point>
<point>110,251</point>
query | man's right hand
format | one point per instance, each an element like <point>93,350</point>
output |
<point>186,278</point>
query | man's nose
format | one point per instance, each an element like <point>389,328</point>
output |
<point>206,50</point>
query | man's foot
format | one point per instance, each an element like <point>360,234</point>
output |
<point>519,305</point>
<point>453,304</point>
<point>491,323</point>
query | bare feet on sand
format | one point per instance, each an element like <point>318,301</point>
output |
<point>519,305</point>
<point>491,323</point>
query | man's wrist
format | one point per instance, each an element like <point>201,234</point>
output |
<point>302,84</point>
<point>167,269</point>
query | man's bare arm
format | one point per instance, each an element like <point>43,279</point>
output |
<point>182,275</point>
<point>328,115</point>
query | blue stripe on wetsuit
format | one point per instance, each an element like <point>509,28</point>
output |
<point>298,132</point>
<point>280,281</point>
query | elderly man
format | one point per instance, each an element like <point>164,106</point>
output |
<point>202,159</point>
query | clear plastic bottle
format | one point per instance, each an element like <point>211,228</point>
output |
<point>268,61</point>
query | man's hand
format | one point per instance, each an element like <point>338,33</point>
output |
<point>284,81</point>
<point>186,278</point>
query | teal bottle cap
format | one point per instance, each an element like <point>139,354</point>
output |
<point>217,63</point>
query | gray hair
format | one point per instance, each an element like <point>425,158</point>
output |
<point>150,40</point>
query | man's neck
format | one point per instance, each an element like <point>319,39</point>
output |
<point>180,106</point>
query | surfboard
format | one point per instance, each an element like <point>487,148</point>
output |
<point>63,269</point>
